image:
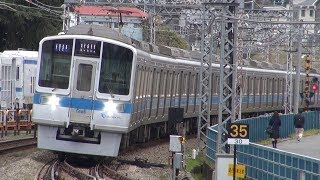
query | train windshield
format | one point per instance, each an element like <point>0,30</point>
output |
<point>116,68</point>
<point>55,63</point>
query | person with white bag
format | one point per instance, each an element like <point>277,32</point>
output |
<point>299,125</point>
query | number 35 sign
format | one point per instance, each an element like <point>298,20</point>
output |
<point>238,134</point>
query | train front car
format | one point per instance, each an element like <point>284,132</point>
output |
<point>82,100</point>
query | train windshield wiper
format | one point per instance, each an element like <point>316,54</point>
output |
<point>110,90</point>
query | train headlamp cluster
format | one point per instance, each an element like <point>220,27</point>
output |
<point>51,100</point>
<point>111,107</point>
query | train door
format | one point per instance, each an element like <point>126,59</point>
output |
<point>82,91</point>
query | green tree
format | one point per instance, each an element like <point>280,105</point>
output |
<point>23,25</point>
<point>165,36</point>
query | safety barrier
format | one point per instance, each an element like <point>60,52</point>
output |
<point>16,120</point>
<point>263,162</point>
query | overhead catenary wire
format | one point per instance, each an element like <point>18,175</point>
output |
<point>55,7</point>
<point>16,7</point>
<point>45,8</point>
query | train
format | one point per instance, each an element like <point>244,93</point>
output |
<point>18,69</point>
<point>98,91</point>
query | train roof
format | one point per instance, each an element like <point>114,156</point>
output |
<point>106,32</point>
<point>20,53</point>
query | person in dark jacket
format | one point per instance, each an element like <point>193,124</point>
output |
<point>299,125</point>
<point>275,124</point>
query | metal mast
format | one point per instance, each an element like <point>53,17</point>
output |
<point>205,73</point>
<point>66,18</point>
<point>228,72</point>
<point>288,88</point>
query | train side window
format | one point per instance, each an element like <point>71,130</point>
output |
<point>258,86</point>
<point>196,87</point>
<point>188,82</point>
<point>273,83</point>
<point>152,87</point>
<point>217,85</point>
<point>159,90</point>
<point>143,74</point>
<point>244,90</point>
<point>212,85</point>
<point>253,80</point>
<point>278,90</point>
<point>248,86</point>
<point>265,85</point>
<point>193,84</point>
<point>18,73</point>
<point>138,81</point>
<point>156,84</point>
<point>268,87</point>
<point>172,87</point>
<point>283,89</point>
<point>181,87</point>
<point>165,91</point>
<point>147,85</point>
<point>261,91</point>
<point>254,86</point>
<point>144,84</point>
<point>178,83</point>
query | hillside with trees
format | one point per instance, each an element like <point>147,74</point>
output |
<point>23,25</point>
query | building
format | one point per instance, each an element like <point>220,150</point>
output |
<point>128,20</point>
<point>306,9</point>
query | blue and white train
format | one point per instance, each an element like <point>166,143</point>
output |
<point>17,76</point>
<point>97,90</point>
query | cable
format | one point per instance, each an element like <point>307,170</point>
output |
<point>27,7</point>
<point>10,8</point>
<point>44,8</point>
<point>48,5</point>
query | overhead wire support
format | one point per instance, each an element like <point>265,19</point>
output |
<point>207,55</point>
<point>288,88</point>
<point>228,73</point>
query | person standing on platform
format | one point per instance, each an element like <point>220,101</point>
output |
<point>299,125</point>
<point>275,123</point>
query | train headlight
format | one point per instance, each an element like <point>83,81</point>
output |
<point>53,101</point>
<point>110,107</point>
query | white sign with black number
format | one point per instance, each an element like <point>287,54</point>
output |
<point>238,134</point>
<point>238,141</point>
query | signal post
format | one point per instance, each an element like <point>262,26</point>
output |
<point>310,87</point>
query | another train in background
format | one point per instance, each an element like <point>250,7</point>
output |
<point>98,91</point>
<point>18,75</point>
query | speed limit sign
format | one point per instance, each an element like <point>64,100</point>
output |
<point>238,133</point>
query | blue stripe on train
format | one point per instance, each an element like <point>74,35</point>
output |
<point>79,103</point>
<point>17,89</point>
<point>27,61</point>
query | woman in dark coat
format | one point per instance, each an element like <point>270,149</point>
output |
<point>275,124</point>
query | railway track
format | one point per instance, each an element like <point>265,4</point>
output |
<point>64,170</point>
<point>6,146</point>
<point>48,170</point>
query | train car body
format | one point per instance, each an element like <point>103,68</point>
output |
<point>94,86</point>
<point>18,75</point>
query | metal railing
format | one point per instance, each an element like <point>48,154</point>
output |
<point>263,162</point>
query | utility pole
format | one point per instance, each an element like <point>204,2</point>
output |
<point>298,69</point>
<point>306,93</point>
<point>65,18</point>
